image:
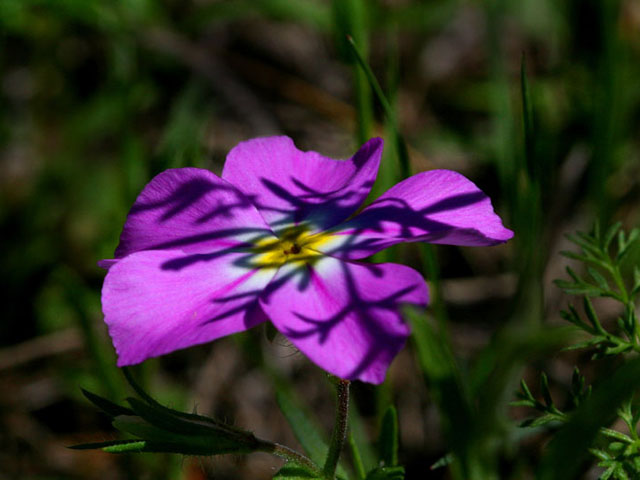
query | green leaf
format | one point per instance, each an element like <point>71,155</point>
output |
<point>139,390</point>
<point>610,235</point>
<point>585,344</point>
<point>356,457</point>
<point>351,19</point>
<point>389,437</point>
<point>107,406</point>
<point>295,471</point>
<point>442,462</point>
<point>127,447</point>
<point>528,122</point>
<point>544,387</point>
<point>161,429</point>
<point>540,421</point>
<point>525,390</point>
<point>443,379</point>
<point>577,386</point>
<point>626,246</point>
<point>140,428</point>
<point>359,442</point>
<point>151,402</point>
<point>600,454</point>
<point>572,316</point>
<point>386,473</point>
<point>303,428</point>
<point>103,445</point>
<point>617,447</point>
<point>607,473</point>
<point>159,440</point>
<point>567,450</point>
<point>578,286</point>
<point>522,403</point>
<point>401,145</point>
<point>600,280</point>
<point>636,280</point>
<point>167,419</point>
<point>587,243</point>
<point>587,258</point>
<point>621,348</point>
<point>592,316</point>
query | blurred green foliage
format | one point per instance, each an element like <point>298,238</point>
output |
<point>98,96</point>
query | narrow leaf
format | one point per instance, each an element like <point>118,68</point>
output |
<point>166,421</point>
<point>567,450</point>
<point>101,445</point>
<point>525,390</point>
<point>159,407</point>
<point>592,316</point>
<point>528,124</point>
<point>610,235</point>
<point>128,447</point>
<point>403,155</point>
<point>633,236</point>
<point>303,428</point>
<point>386,473</point>
<point>443,379</point>
<point>389,437</point>
<point>600,280</point>
<point>442,462</point>
<point>544,387</point>
<point>295,471</point>
<point>107,406</point>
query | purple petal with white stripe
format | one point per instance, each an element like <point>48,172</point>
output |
<point>192,210</point>
<point>292,187</point>
<point>344,316</point>
<point>438,206</point>
<point>159,301</point>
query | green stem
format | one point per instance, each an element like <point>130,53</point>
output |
<point>356,457</point>
<point>401,145</point>
<point>339,430</point>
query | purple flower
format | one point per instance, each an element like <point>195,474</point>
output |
<point>201,257</point>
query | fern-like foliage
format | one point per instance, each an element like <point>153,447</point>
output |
<point>605,256</point>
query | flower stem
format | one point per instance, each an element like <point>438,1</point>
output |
<point>339,430</point>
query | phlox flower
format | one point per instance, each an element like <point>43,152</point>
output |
<point>275,238</point>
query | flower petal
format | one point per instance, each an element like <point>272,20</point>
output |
<point>159,301</point>
<point>438,206</point>
<point>344,316</point>
<point>290,186</point>
<point>192,210</point>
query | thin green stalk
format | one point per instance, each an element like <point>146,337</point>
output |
<point>401,145</point>
<point>432,272</point>
<point>350,18</point>
<point>356,458</point>
<point>339,430</point>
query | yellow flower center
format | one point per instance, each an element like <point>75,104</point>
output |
<point>295,244</point>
